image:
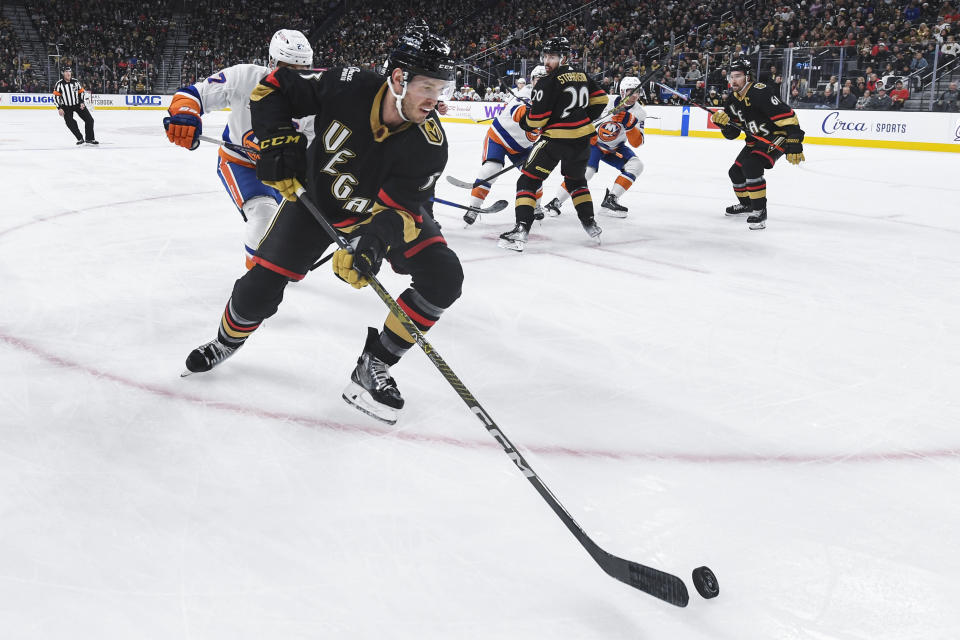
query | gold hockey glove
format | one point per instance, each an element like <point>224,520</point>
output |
<point>794,151</point>
<point>356,267</point>
<point>720,118</point>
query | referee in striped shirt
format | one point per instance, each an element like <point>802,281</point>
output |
<point>68,94</point>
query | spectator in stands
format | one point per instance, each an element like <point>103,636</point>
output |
<point>693,74</point>
<point>919,63</point>
<point>777,86</point>
<point>949,99</point>
<point>912,12</point>
<point>847,99</point>
<point>769,76</point>
<point>811,99</point>
<point>713,99</point>
<point>829,100</point>
<point>863,102</point>
<point>883,101</point>
<point>898,95</point>
<point>950,49</point>
<point>860,87</point>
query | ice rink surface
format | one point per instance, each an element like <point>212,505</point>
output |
<point>781,405</point>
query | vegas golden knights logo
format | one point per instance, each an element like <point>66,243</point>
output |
<point>432,131</point>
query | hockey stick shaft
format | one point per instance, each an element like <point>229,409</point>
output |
<point>646,78</point>
<point>487,183</point>
<point>456,205</point>
<point>756,137</point>
<point>236,148</point>
<point>661,585</point>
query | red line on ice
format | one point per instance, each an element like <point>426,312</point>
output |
<point>312,421</point>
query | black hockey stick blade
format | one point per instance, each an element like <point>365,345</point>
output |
<point>661,585</point>
<point>499,205</point>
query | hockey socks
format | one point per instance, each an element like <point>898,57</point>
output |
<point>234,328</point>
<point>395,341</point>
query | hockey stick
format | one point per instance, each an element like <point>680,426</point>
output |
<point>732,123</point>
<point>499,205</point>
<point>650,75</point>
<point>463,184</point>
<point>658,584</point>
<point>236,148</point>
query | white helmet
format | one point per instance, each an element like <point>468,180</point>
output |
<point>292,47</point>
<point>628,84</point>
<point>538,72</point>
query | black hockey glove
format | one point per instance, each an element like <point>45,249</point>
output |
<point>356,267</point>
<point>730,132</point>
<point>283,159</point>
<point>794,150</point>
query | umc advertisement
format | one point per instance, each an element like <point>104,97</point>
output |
<point>94,100</point>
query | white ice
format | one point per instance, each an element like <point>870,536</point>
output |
<point>780,405</point>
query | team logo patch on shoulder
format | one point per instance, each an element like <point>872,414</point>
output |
<point>760,85</point>
<point>432,131</point>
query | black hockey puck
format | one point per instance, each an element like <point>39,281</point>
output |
<point>705,582</point>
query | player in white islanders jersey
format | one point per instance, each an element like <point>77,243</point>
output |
<point>614,144</point>
<point>505,139</point>
<point>231,89</point>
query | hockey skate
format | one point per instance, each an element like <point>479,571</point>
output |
<point>737,209</point>
<point>538,213</point>
<point>592,229</point>
<point>470,217</point>
<point>758,220</point>
<point>515,239</point>
<point>372,390</point>
<point>611,207</point>
<point>552,208</point>
<point>207,356</point>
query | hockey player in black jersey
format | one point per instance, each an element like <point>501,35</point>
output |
<point>378,152</point>
<point>564,105</point>
<point>755,108</point>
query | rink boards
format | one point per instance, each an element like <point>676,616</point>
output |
<point>918,131</point>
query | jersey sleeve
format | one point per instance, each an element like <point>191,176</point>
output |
<point>779,112</point>
<point>287,93</point>
<point>80,93</point>
<point>58,95</point>
<point>228,88</point>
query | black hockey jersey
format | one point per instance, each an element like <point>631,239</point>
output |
<point>356,166</point>
<point>565,104</point>
<point>760,111</point>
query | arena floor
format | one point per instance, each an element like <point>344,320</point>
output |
<point>780,405</point>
